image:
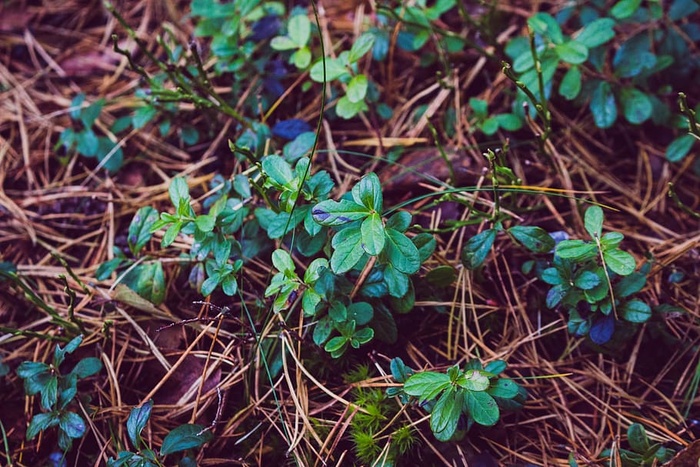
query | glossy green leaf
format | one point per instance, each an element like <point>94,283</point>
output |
<point>426,382</point>
<point>625,8</point>
<point>504,388</point>
<point>603,105</point>
<point>278,170</point>
<point>445,415</point>
<point>620,262</point>
<point>593,221</point>
<point>509,122</point>
<point>637,437</point>
<point>368,193</point>
<point>611,240</point>
<point>535,239</point>
<point>87,143</point>
<point>597,32</point>
<point>479,106</point>
<point>572,52</point>
<point>401,252</point>
<point>330,212</point>
<point>86,367</point>
<point>140,228</point>
<point>630,285</point>
<point>138,418</point>
<point>361,46</point>
<point>345,108</point>
<point>397,282</point>
<point>185,437</point>
<point>636,105</point>
<point>474,380</point>
<point>477,249</point>
<point>348,250</point>
<point>299,29</point>
<point>357,88</point>
<point>441,276</point>
<point>334,69</point>
<point>143,115</point>
<point>399,370</point>
<point>576,249</point>
<point>636,311</point>
<point>545,25</point>
<point>323,330</point>
<point>679,148</point>
<point>587,280</point>
<point>482,407</point>
<point>360,312</point>
<point>205,222</point>
<point>179,191</point>
<point>71,424</point>
<point>570,86</point>
<point>282,261</point>
<point>283,43</point>
<point>147,280</point>
<point>496,367</point>
<point>41,422</point>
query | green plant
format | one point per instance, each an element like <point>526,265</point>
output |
<point>489,125</point>
<point>85,141</point>
<point>182,438</point>
<point>641,452</point>
<point>460,397</point>
<point>594,281</point>
<point>296,39</point>
<point>344,69</point>
<point>645,67</point>
<point>57,391</point>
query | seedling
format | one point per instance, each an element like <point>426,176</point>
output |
<point>641,453</point>
<point>57,391</point>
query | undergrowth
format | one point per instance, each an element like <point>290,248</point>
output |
<point>505,199</point>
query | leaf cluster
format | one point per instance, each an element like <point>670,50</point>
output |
<point>56,391</point>
<point>641,452</point>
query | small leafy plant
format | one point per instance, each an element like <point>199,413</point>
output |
<point>594,281</point>
<point>460,398</point>
<point>182,438</point>
<point>641,452</point>
<point>57,391</point>
<point>83,138</point>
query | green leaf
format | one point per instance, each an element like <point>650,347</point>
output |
<point>27,370</point>
<point>357,88</point>
<point>138,418</point>
<point>179,191</point>
<point>76,106</point>
<point>637,437</point>
<point>279,171</point>
<point>593,221</point>
<point>373,235</point>
<point>625,8</point>
<point>426,382</point>
<point>361,46</point>
<point>323,330</point>
<point>445,415</point>
<point>41,422</point>
<point>334,70</point>
<point>603,105</point>
<point>596,33</point>
<point>509,122</point>
<point>72,424</point>
<point>140,228</point>
<point>184,437</point>
<point>87,143</point>
<point>570,86</point>
<point>630,285</point>
<point>399,370</point>
<point>477,249</point>
<point>636,311</point>
<point>400,221</point>
<point>620,262</point>
<point>362,336</point>
<point>545,25</point>
<point>147,280</point>
<point>397,282</point>
<point>283,261</point>
<point>283,43</point>
<point>552,276</point>
<point>474,380</point>
<point>360,312</point>
<point>578,250</point>
<point>401,252</point>
<point>87,367</point>
<point>368,193</point>
<point>426,244</point>
<point>636,105</point>
<point>336,346</point>
<point>348,250</point>
<point>535,239</point>
<point>331,213</point>
<point>482,407</point>
<point>504,388</point>
<point>611,240</point>
<point>479,106</point>
<point>587,280</point>
<point>489,126</point>
<point>89,114</point>
<point>496,367</point>
<point>572,52</point>
<point>143,115</point>
<point>679,148</point>
<point>299,30</point>
<point>301,58</point>
<point>205,222</point>
<point>346,109</point>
